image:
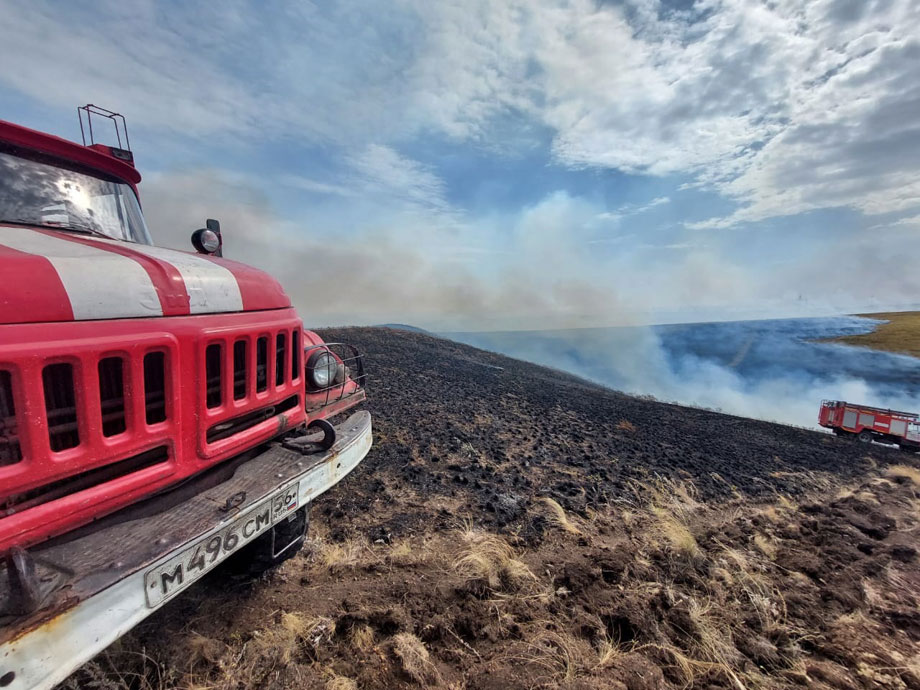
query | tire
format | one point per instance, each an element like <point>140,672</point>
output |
<point>865,436</point>
<point>274,547</point>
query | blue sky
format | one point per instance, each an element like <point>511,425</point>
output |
<point>465,164</point>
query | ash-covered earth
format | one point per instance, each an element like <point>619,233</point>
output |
<point>487,433</point>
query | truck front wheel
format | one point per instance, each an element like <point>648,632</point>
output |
<point>865,436</point>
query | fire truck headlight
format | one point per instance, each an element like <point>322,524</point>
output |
<point>324,370</point>
<point>205,241</point>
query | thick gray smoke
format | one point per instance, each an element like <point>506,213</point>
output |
<point>428,268</point>
<point>763,369</point>
<point>408,266</point>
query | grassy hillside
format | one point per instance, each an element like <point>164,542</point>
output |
<point>901,334</point>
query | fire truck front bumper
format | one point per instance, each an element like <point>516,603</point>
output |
<point>61,603</point>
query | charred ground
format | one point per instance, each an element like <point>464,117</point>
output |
<point>515,526</point>
<point>489,433</point>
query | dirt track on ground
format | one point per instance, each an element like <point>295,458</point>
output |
<point>678,548</point>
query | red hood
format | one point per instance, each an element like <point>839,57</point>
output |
<point>59,276</point>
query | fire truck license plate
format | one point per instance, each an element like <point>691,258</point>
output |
<point>184,568</point>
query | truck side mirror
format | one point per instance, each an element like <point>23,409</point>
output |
<point>208,240</point>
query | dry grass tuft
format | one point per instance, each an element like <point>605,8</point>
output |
<point>904,472</point>
<point>489,560</point>
<point>200,648</point>
<point>673,503</point>
<point>786,503</point>
<point>608,651</point>
<point>344,556</point>
<point>557,515</point>
<point>765,545</point>
<point>676,532</point>
<point>560,656</point>
<point>341,683</point>
<point>693,670</point>
<point>403,554</point>
<point>362,638</point>
<point>753,587</point>
<point>414,659</point>
<point>715,641</point>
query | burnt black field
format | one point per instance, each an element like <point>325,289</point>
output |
<point>775,370</point>
<point>491,432</point>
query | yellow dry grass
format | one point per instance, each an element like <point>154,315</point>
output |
<point>608,652</point>
<point>765,545</point>
<point>904,472</point>
<point>673,504</point>
<point>490,560</point>
<point>404,553</point>
<point>415,660</point>
<point>556,515</point>
<point>786,503</point>
<point>341,683</point>
<point>675,531</point>
<point>362,638</point>
<point>693,669</point>
<point>559,656</point>
<point>901,334</point>
<point>342,556</point>
<point>753,587</point>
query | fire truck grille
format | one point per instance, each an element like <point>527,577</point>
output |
<point>10,451</point>
<point>84,480</point>
<point>249,420</point>
<point>280,358</point>
<point>155,387</point>
<point>261,364</point>
<point>239,370</point>
<point>112,395</point>
<point>213,359</point>
<point>60,406</point>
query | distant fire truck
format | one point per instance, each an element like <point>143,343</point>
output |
<point>871,423</point>
<point>160,411</point>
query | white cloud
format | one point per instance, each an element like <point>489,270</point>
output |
<point>906,222</point>
<point>382,169</point>
<point>783,106</point>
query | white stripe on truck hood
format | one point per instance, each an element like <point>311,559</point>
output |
<point>210,287</point>
<point>111,287</point>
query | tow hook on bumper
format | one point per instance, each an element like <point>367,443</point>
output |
<point>308,443</point>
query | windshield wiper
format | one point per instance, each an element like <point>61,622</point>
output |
<point>63,227</point>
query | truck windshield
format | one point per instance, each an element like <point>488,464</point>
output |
<point>40,190</point>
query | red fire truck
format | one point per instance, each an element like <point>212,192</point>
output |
<point>160,411</point>
<point>871,423</point>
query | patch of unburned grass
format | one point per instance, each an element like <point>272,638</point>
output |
<point>342,556</point>
<point>415,659</point>
<point>558,656</point>
<point>556,515</point>
<point>766,546</point>
<point>488,560</point>
<point>362,638</point>
<point>904,472</point>
<point>341,683</point>
<point>899,334</point>
<point>675,531</point>
<point>673,503</point>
